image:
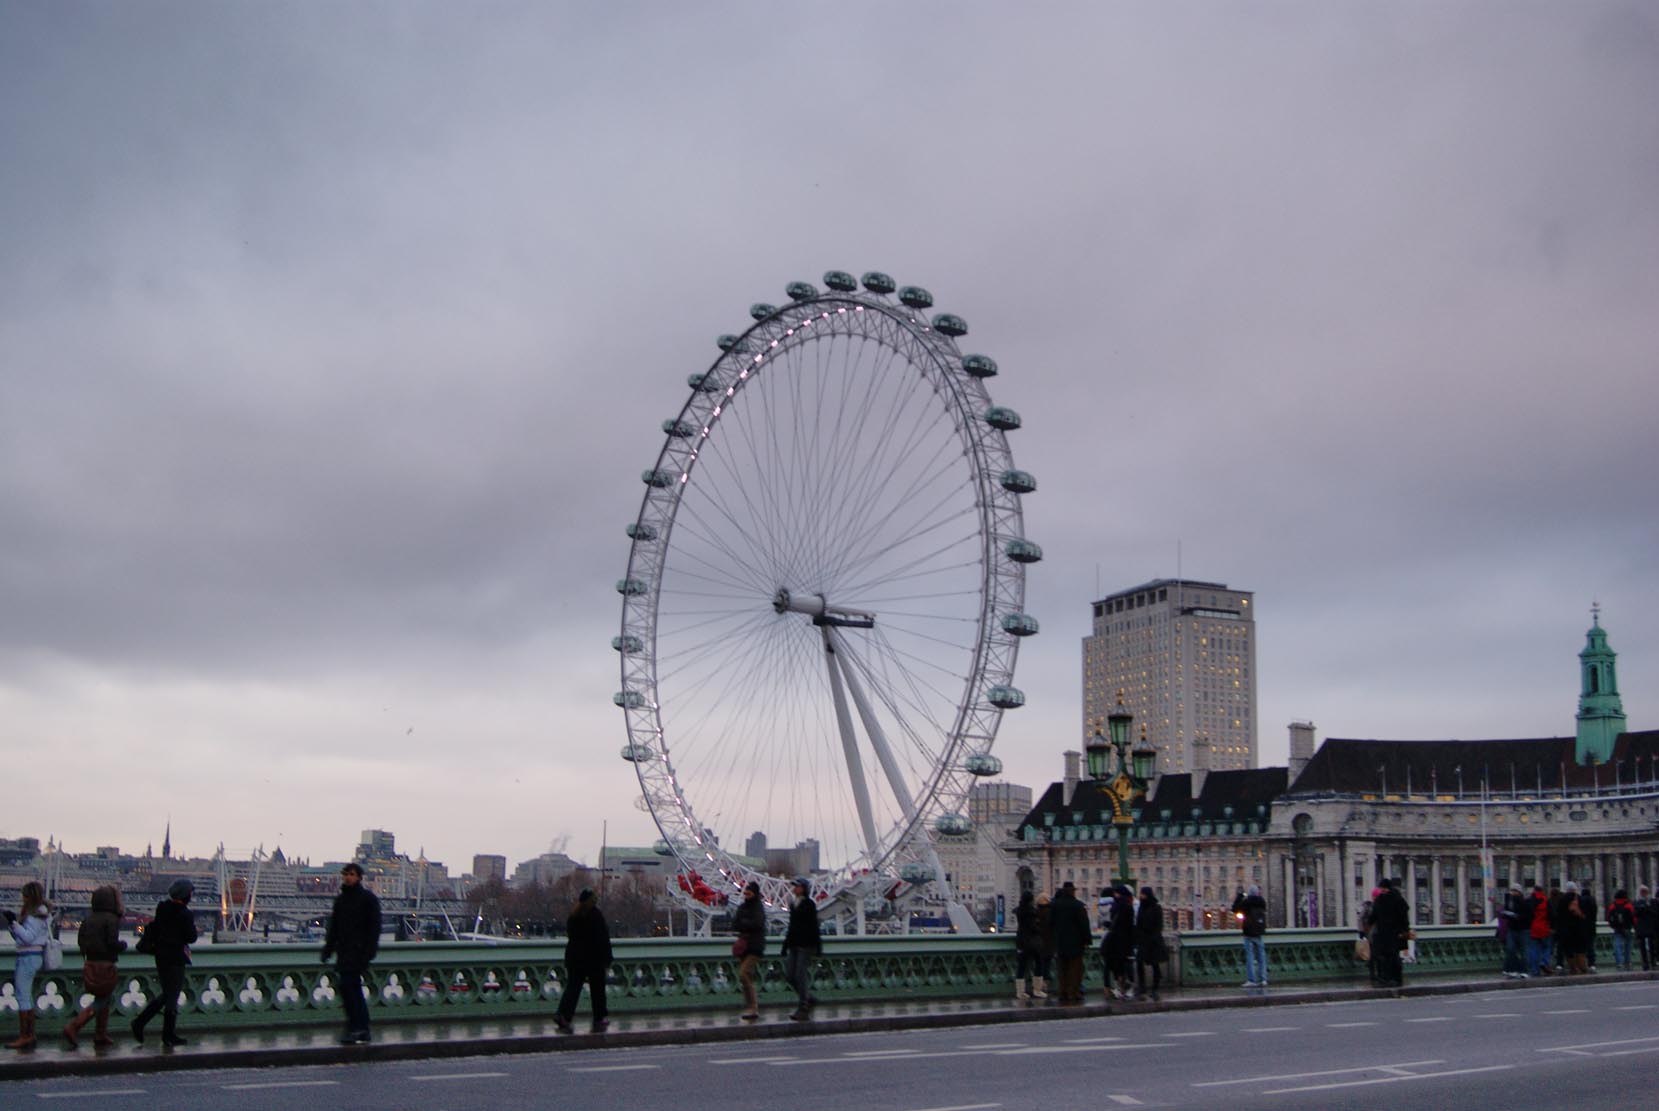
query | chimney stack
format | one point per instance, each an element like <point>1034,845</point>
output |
<point>1301,748</point>
<point>1200,765</point>
<point>1074,772</point>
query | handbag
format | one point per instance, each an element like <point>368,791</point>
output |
<point>99,978</point>
<point>146,941</point>
<point>740,947</point>
<point>51,955</point>
<point>1362,949</point>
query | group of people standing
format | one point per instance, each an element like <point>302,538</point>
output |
<point>353,933</point>
<point>1050,932</point>
<point>1554,931</point>
<point>1386,934</point>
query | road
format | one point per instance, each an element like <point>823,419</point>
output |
<point>1586,1045</point>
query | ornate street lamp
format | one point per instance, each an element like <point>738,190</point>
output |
<point>1134,773</point>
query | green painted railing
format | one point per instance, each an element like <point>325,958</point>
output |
<point>259,985</point>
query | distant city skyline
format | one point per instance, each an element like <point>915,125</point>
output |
<point>328,388</point>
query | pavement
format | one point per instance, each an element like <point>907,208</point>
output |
<point>425,1040</point>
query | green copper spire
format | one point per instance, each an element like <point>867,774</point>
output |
<point>1600,713</point>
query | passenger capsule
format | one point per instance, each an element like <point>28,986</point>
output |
<point>916,297</point>
<point>661,480</point>
<point>983,763</point>
<point>1002,417</point>
<point>877,282</point>
<point>980,366</point>
<point>639,531</point>
<point>679,429</point>
<point>631,588</point>
<point>663,848</point>
<point>727,341</point>
<point>702,383</point>
<point>1005,698</point>
<point>1021,550</point>
<point>840,281</point>
<point>950,324</point>
<point>628,700</point>
<point>917,872</point>
<point>760,310</point>
<point>627,643</point>
<point>800,291</point>
<point>1019,624</point>
<point>637,754</point>
<point>953,825</point>
<point>1018,482</point>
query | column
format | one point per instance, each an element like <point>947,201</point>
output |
<point>1410,880</point>
<point>1437,889</point>
<point>1462,890</point>
<point>1538,877</point>
<point>1369,864</point>
<point>1291,894</point>
<point>1346,908</point>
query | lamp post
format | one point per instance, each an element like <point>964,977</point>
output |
<point>1134,772</point>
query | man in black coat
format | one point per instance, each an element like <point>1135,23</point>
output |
<point>1072,938</point>
<point>801,946</point>
<point>1390,925</point>
<point>353,933</point>
<point>587,961</point>
<point>168,937</point>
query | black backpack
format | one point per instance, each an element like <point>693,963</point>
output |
<point>1620,918</point>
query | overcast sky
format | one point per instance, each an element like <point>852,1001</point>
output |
<point>333,339</point>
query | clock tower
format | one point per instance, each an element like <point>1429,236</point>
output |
<point>1600,713</point>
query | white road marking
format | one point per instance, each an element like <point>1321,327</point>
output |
<point>999,1045</point>
<point>1342,1025</point>
<point>1309,1075</point>
<point>613,1068</point>
<point>1193,1034</point>
<point>1627,1052</point>
<point>1267,1029</point>
<point>282,1084</point>
<point>964,1107</point>
<point>1129,1100</point>
<point>1385,1080</point>
<point>457,1076</point>
<point>90,1095</point>
<point>1638,1007</point>
<point>1087,1041</point>
<point>866,1054</point>
<point>1499,1014</point>
<point>748,1060</point>
<point>1576,1011</point>
<point>1596,1045</point>
<point>1438,1018</point>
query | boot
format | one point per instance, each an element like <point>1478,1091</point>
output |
<point>73,1027</point>
<point>1019,991</point>
<point>25,1031</point>
<point>100,1030</point>
<point>1037,985</point>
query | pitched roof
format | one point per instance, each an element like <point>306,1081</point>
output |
<point>1249,792</point>
<point>1343,766</point>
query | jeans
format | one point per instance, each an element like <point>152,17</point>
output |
<point>574,979</point>
<point>1621,948</point>
<point>1514,951</point>
<point>351,998</point>
<point>166,1000</point>
<point>797,972</point>
<point>1255,960</point>
<point>28,964</point>
<point>1538,954</point>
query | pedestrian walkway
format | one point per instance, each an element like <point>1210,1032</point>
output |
<point>318,1045</point>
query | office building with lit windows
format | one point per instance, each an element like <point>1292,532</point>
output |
<point>1184,655</point>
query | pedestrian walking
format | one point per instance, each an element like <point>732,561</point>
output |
<point>1045,947</point>
<point>168,938</point>
<point>1027,945</point>
<point>1117,943</point>
<point>100,944</point>
<point>354,935</point>
<point>802,943</point>
<point>1251,911</point>
<point>31,927</point>
<point>1390,933</point>
<point>587,961</point>
<point>1150,950</point>
<point>749,924</point>
<point>1072,939</point>
<point>1621,919</point>
<point>1513,920</point>
<point>1647,926</point>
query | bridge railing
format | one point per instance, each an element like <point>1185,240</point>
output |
<point>264,985</point>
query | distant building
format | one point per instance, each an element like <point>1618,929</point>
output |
<point>1184,655</point>
<point>976,864</point>
<point>376,844</point>
<point>543,871</point>
<point>487,867</point>
<point>802,860</point>
<point>756,845</point>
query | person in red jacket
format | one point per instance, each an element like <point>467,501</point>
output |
<point>1621,916</point>
<point>1538,933</point>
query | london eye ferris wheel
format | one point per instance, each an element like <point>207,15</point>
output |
<point>824,595</point>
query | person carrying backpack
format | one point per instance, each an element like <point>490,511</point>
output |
<point>1621,917</point>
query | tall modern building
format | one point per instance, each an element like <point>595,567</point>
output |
<point>1184,655</point>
